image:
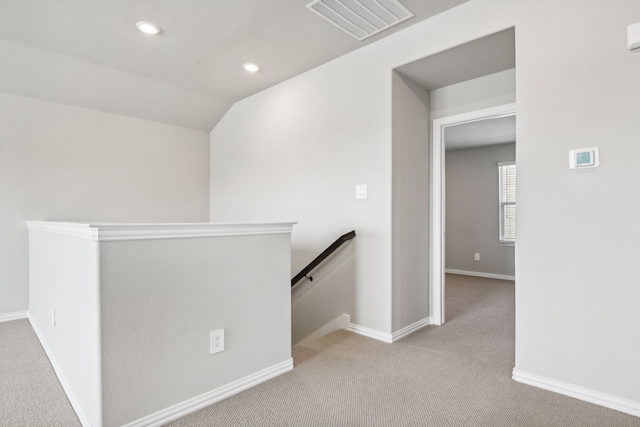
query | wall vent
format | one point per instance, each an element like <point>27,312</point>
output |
<point>361,18</point>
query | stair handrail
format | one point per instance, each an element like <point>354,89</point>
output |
<point>324,255</point>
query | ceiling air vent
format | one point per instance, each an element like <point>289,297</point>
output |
<point>361,18</point>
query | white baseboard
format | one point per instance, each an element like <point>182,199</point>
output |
<point>8,317</point>
<point>176,411</point>
<point>581,393</point>
<point>371,333</point>
<point>389,338</point>
<point>188,406</point>
<point>479,274</point>
<point>408,330</point>
<point>66,386</point>
<point>340,322</point>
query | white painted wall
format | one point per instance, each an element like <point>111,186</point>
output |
<point>331,294</point>
<point>476,94</point>
<point>297,150</point>
<point>410,203</point>
<point>296,153</point>
<point>64,276</point>
<point>577,292</point>
<point>59,163</point>
<point>161,299</point>
<point>472,211</point>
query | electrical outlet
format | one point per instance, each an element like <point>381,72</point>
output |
<point>476,257</point>
<point>217,341</point>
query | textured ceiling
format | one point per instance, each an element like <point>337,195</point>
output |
<point>196,60</point>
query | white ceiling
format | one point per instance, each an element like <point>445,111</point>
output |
<point>90,54</point>
<point>479,133</point>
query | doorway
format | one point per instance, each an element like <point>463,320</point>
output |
<point>438,197</point>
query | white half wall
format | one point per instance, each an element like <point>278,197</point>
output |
<point>161,299</point>
<point>135,305</point>
<point>59,162</point>
<point>65,313</point>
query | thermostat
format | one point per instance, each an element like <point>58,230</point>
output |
<point>584,158</point>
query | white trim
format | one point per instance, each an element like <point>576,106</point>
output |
<point>408,330</point>
<point>105,232</point>
<point>66,386</point>
<point>479,274</point>
<point>8,317</point>
<point>371,333</point>
<point>582,393</point>
<point>437,210</point>
<point>191,405</point>
<point>389,338</point>
<point>340,322</point>
<point>506,163</point>
<point>436,226</point>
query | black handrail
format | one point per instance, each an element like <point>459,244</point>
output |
<point>324,255</point>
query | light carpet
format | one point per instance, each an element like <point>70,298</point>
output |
<point>30,394</point>
<point>458,374</point>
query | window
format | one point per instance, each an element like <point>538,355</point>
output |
<point>507,200</point>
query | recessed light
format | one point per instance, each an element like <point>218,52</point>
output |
<point>148,27</point>
<point>251,67</point>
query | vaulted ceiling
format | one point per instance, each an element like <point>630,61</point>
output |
<point>90,53</point>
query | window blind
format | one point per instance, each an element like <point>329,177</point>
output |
<point>507,199</point>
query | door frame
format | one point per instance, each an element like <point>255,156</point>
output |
<point>438,201</point>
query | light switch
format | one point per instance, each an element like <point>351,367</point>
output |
<point>361,192</point>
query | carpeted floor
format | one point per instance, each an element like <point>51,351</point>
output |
<point>458,374</point>
<point>30,394</point>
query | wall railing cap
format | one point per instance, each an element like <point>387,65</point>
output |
<point>106,231</point>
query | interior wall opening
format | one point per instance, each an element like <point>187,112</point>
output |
<point>475,76</point>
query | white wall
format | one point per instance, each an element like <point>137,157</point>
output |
<point>62,163</point>
<point>314,304</point>
<point>577,291</point>
<point>472,211</point>
<point>410,203</point>
<point>475,94</point>
<point>297,149</point>
<point>64,276</point>
<point>161,299</point>
<point>296,153</point>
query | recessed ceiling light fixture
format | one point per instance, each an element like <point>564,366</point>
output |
<point>148,27</point>
<point>251,67</point>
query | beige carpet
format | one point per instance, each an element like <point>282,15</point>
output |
<point>458,374</point>
<point>30,394</point>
